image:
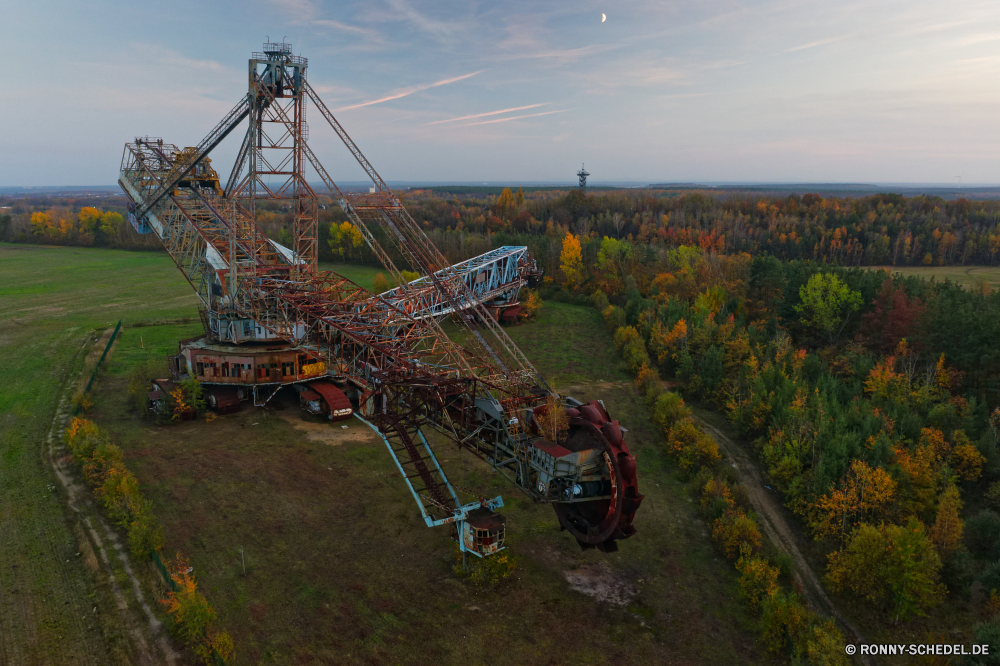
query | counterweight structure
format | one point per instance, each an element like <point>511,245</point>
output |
<point>388,353</point>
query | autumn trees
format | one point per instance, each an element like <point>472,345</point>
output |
<point>837,379</point>
<point>90,226</point>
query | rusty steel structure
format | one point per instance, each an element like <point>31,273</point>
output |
<point>405,375</point>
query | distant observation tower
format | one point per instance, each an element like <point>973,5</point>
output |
<point>582,175</point>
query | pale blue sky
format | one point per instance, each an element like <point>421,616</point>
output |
<point>782,90</point>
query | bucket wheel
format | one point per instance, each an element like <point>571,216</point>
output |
<point>599,523</point>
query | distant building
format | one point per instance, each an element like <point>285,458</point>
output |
<point>582,175</point>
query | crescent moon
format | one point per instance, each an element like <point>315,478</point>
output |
<point>603,18</point>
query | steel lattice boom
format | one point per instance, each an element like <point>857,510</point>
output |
<point>386,354</point>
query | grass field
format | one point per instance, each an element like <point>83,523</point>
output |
<point>51,299</point>
<point>339,569</point>
<point>359,275</point>
<point>967,276</point>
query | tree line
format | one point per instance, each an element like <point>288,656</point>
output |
<point>882,229</point>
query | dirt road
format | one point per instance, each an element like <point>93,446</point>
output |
<point>781,535</point>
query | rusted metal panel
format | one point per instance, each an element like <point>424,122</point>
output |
<point>336,401</point>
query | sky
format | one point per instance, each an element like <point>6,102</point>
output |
<point>893,91</point>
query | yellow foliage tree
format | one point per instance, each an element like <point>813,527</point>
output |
<point>946,533</point>
<point>530,306</point>
<point>864,492</point>
<point>553,421</point>
<point>571,261</point>
<point>966,459</point>
<point>344,239</point>
<point>89,218</point>
<point>920,467</point>
<point>40,223</point>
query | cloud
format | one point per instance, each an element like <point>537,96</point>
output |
<point>344,27</point>
<point>503,120</point>
<point>440,30</point>
<point>300,11</point>
<point>489,113</point>
<point>563,54</point>
<point>172,58</point>
<point>823,42</point>
<point>409,91</point>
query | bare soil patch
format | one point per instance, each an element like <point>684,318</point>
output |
<point>600,582</point>
<point>325,432</point>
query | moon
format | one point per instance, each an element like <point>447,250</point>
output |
<point>603,18</point>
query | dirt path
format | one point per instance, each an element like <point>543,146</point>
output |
<point>780,533</point>
<point>149,639</point>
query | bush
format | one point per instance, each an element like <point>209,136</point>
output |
<point>691,446</point>
<point>758,579</point>
<point>717,498</point>
<point>614,317</point>
<point>733,531</point>
<point>82,437</point>
<point>625,335</point>
<point>531,305</point>
<point>115,486</point>
<point>647,380</point>
<point>635,355</point>
<point>982,535</point>
<point>144,532</point>
<point>221,642</point>
<point>485,573</point>
<point>600,300</point>
<point>193,393</point>
<point>824,645</point>
<point>105,457</point>
<point>783,621</point>
<point>187,607</point>
<point>668,410</point>
<point>139,379</point>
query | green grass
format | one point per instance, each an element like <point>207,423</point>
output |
<point>966,276</point>
<point>359,275</point>
<point>51,299</point>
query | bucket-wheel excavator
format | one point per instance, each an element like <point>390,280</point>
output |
<point>272,319</point>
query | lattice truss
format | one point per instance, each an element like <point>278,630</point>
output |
<point>480,394</point>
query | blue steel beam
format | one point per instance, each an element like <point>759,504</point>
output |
<point>495,275</point>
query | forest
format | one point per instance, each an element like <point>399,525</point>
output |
<point>870,401</point>
<point>882,229</point>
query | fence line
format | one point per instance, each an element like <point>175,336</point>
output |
<point>97,367</point>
